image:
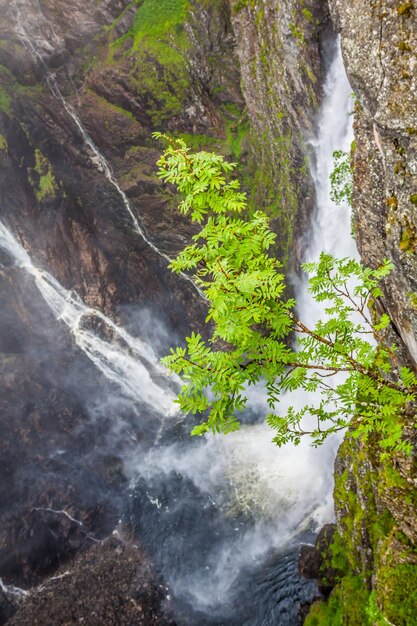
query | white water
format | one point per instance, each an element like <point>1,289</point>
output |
<point>124,360</point>
<point>287,489</point>
<point>97,157</point>
<point>11,590</point>
<point>331,226</point>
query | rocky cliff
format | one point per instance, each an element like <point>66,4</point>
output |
<point>82,87</point>
<point>281,49</point>
<point>374,553</point>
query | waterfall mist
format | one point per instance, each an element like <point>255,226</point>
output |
<point>122,359</point>
<point>267,496</point>
<point>222,517</point>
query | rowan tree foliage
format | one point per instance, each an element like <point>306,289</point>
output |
<point>342,362</point>
<point>341,177</point>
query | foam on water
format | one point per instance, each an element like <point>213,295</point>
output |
<point>283,490</point>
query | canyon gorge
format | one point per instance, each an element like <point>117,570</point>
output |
<point>110,512</point>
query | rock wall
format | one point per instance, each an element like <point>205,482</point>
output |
<point>129,68</point>
<point>375,499</point>
<point>122,87</point>
<point>280,48</point>
<point>379,43</point>
<point>224,75</point>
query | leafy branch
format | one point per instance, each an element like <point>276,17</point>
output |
<point>341,177</point>
<point>341,365</point>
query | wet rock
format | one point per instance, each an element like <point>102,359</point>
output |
<point>375,497</point>
<point>59,483</point>
<point>78,225</point>
<point>282,53</point>
<point>8,606</point>
<point>316,561</point>
<point>111,583</point>
<point>309,561</point>
<point>378,43</point>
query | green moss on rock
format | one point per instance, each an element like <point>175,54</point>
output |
<point>376,560</point>
<point>159,51</point>
<point>242,4</point>
<point>405,8</point>
<point>5,102</point>
<point>158,17</point>
<point>408,240</point>
<point>43,181</point>
<point>346,606</point>
<point>397,590</point>
<point>392,203</point>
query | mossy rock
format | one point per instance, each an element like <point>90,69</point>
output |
<point>405,8</point>
<point>408,240</point>
<point>42,178</point>
<point>5,102</point>
<point>346,606</point>
<point>397,593</point>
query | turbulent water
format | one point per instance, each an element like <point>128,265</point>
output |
<point>229,513</point>
<point>122,359</point>
<point>223,518</point>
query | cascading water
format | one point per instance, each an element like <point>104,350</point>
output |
<point>257,500</point>
<point>331,227</point>
<point>97,157</point>
<point>222,517</point>
<point>123,359</point>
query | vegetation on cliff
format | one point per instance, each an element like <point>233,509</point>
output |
<point>253,322</point>
<point>252,328</point>
<point>372,555</point>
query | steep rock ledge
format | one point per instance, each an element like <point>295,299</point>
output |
<point>376,543</point>
<point>281,58</point>
<point>124,76</point>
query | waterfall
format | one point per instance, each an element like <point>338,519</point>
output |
<point>97,157</point>
<point>284,491</point>
<point>124,360</point>
<point>14,592</point>
<point>331,225</point>
<point>212,510</point>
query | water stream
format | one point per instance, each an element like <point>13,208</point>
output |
<point>222,517</point>
<point>97,157</point>
<point>229,513</point>
<point>123,359</point>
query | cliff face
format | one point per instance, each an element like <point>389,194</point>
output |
<point>379,45</point>
<point>376,499</point>
<point>126,69</point>
<point>82,87</point>
<point>279,45</point>
<point>56,195</point>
